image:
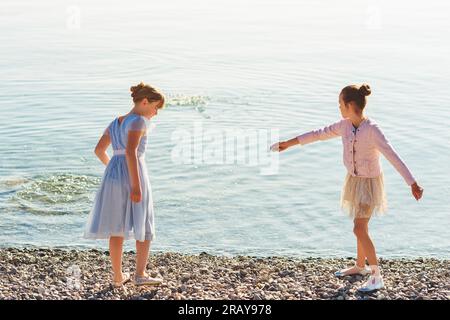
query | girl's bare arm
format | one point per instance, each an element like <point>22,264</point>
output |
<point>283,145</point>
<point>134,138</point>
<point>101,147</point>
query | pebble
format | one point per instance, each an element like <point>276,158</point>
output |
<point>185,277</point>
<point>42,274</point>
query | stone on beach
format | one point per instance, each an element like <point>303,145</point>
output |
<point>41,274</point>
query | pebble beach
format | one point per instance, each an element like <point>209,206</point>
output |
<point>57,274</point>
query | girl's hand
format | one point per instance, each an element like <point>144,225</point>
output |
<point>416,190</point>
<point>136,194</point>
<point>280,146</point>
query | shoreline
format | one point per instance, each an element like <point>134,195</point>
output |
<point>45,273</point>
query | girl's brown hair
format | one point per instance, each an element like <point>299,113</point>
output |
<point>356,94</point>
<point>143,90</point>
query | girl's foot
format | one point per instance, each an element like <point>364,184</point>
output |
<point>353,270</point>
<point>125,278</point>
<point>146,280</point>
<point>374,283</point>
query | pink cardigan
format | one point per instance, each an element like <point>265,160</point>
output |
<point>362,148</point>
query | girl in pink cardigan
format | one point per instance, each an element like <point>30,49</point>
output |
<point>363,192</point>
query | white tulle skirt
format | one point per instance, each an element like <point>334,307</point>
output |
<point>363,197</point>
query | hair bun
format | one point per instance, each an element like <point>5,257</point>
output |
<point>365,90</point>
<point>135,89</point>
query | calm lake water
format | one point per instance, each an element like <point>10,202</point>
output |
<point>66,68</point>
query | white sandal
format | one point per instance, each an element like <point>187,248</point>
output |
<point>147,280</point>
<point>360,270</point>
<point>374,283</point>
<point>125,278</point>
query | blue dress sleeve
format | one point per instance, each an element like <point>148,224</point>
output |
<point>138,124</point>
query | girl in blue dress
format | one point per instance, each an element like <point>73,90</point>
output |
<point>123,205</point>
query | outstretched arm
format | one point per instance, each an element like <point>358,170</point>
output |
<point>325,133</point>
<point>283,145</point>
<point>384,146</point>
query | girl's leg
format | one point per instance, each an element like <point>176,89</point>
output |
<point>361,255</point>
<point>115,253</point>
<point>142,252</point>
<point>361,231</point>
<point>360,264</point>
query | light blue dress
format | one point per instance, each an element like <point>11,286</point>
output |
<point>113,213</point>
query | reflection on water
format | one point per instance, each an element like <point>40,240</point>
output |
<point>55,194</point>
<point>197,102</point>
<point>235,65</point>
